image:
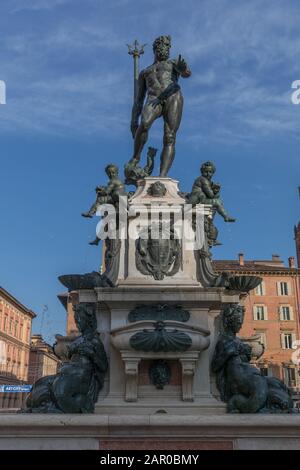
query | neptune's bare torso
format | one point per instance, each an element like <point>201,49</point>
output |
<point>158,77</point>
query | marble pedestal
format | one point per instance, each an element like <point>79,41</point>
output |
<point>195,390</point>
<point>185,282</point>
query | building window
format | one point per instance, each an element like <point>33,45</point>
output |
<point>260,290</point>
<point>260,312</point>
<point>289,376</point>
<point>287,340</point>
<point>3,353</point>
<point>286,313</point>
<point>283,288</point>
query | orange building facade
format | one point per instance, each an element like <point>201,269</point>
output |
<point>297,241</point>
<point>15,331</point>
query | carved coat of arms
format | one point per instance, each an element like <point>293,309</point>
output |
<point>158,252</point>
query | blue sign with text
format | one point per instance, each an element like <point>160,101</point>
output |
<point>15,388</point>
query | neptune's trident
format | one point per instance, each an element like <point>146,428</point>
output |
<point>136,51</point>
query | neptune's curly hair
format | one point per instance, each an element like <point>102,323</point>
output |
<point>162,41</point>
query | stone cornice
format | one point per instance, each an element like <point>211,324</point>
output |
<point>14,340</point>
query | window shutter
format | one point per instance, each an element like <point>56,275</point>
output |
<point>254,312</point>
<point>278,288</point>
<point>259,290</point>
<point>289,287</point>
<point>263,288</point>
<point>291,313</point>
<point>293,338</point>
<point>266,312</point>
<point>282,341</point>
<point>280,313</point>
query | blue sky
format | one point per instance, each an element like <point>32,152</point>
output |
<point>69,95</point>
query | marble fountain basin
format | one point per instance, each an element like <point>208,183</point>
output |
<point>166,336</point>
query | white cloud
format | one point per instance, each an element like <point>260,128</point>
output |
<point>74,74</point>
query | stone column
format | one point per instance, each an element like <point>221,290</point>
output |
<point>131,378</point>
<point>188,370</point>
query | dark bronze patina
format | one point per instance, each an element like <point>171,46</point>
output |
<point>241,385</point>
<point>75,388</point>
<point>159,82</point>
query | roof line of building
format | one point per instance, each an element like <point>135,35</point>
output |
<point>17,302</point>
<point>285,272</point>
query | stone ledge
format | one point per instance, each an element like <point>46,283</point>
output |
<point>151,432</point>
<point>212,297</point>
<point>105,424</point>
